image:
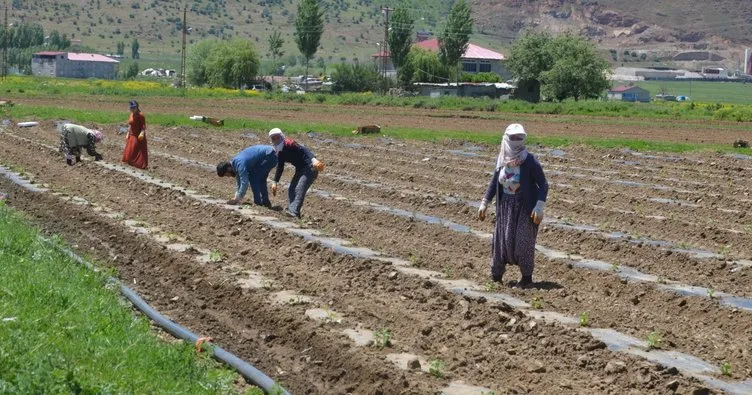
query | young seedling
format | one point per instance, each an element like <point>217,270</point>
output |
<point>447,271</point>
<point>382,338</point>
<point>277,389</point>
<point>654,340</point>
<point>332,316</point>
<point>711,293</point>
<point>488,393</point>
<point>266,284</point>
<point>661,280</point>
<point>614,267</point>
<point>726,250</point>
<point>726,369</point>
<point>414,261</point>
<point>215,256</point>
<point>297,300</point>
<point>489,286</point>
<point>436,368</point>
<point>585,319</point>
<point>171,236</point>
<point>537,303</point>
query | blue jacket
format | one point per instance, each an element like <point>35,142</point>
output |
<point>254,158</point>
<point>533,185</point>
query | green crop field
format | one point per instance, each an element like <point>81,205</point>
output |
<point>702,91</point>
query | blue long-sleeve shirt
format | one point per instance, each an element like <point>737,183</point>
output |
<point>255,156</point>
<point>533,184</point>
<point>296,154</point>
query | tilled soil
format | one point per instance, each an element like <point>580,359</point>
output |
<point>484,344</point>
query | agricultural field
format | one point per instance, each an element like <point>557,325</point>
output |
<point>643,265</point>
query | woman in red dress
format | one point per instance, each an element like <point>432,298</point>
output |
<point>136,153</point>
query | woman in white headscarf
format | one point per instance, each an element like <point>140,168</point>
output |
<point>520,188</point>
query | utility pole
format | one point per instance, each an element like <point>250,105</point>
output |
<point>385,47</point>
<point>6,33</point>
<point>182,57</point>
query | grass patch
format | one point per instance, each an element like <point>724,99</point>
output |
<point>63,331</point>
<point>40,113</point>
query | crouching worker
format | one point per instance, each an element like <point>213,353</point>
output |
<point>74,137</point>
<point>251,166</point>
<point>307,168</point>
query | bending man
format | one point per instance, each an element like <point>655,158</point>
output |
<point>251,166</point>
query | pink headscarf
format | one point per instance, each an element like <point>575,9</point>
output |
<point>98,136</point>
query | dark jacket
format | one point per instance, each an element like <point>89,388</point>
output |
<point>533,184</point>
<point>296,154</point>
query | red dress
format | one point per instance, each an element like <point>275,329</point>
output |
<point>135,153</point>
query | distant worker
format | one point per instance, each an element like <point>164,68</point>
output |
<point>251,166</point>
<point>307,168</point>
<point>136,152</point>
<point>74,137</point>
<point>520,188</point>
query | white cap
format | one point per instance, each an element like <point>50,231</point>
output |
<point>513,129</point>
<point>275,131</point>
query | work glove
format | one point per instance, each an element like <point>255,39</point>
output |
<point>274,189</point>
<point>317,165</point>
<point>537,215</point>
<point>482,210</point>
<point>78,159</point>
<point>141,136</point>
<point>98,157</point>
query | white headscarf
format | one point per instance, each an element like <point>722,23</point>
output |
<point>277,132</point>
<point>512,153</point>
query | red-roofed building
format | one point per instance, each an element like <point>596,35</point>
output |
<point>475,60</point>
<point>73,65</point>
<point>629,93</point>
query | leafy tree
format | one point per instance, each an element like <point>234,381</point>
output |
<point>132,71</point>
<point>355,78</point>
<point>566,66</point>
<point>309,25</point>
<point>400,36</point>
<point>427,66</point>
<point>578,72</point>
<point>530,56</point>
<point>453,40</point>
<point>120,48</point>
<point>406,72</point>
<point>232,64</point>
<point>134,49</point>
<point>275,46</point>
<point>196,63</point>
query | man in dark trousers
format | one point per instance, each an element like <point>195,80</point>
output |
<point>307,168</point>
<point>251,166</point>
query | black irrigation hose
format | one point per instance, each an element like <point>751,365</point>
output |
<point>245,369</point>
